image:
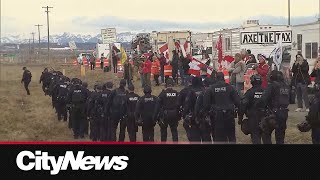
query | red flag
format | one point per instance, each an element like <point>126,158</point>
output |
<point>164,48</point>
<point>219,48</point>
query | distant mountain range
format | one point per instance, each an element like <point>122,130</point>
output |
<point>65,38</point>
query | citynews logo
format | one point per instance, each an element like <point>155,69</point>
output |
<point>42,161</point>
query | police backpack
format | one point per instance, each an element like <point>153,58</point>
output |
<point>78,96</point>
<point>63,93</point>
<point>119,100</point>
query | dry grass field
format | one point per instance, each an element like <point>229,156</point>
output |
<point>31,118</point>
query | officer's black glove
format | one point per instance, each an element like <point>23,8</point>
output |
<point>161,123</point>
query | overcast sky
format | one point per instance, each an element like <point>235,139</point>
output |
<point>89,16</point>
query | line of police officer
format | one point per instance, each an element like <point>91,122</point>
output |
<point>207,106</point>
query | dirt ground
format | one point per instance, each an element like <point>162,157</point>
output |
<point>31,118</point>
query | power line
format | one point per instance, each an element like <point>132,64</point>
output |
<point>47,11</point>
<point>39,35</point>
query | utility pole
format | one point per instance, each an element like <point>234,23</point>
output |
<point>0,23</point>
<point>39,35</point>
<point>47,11</point>
<point>32,42</point>
<point>289,15</point>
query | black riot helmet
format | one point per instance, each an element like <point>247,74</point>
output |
<point>276,75</point>
<point>109,85</point>
<point>169,83</point>
<point>123,83</point>
<point>85,84</point>
<point>147,90</point>
<point>256,80</point>
<point>220,76</point>
<point>99,87</point>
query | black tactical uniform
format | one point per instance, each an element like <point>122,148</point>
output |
<point>103,101</point>
<point>254,114</point>
<point>144,114</point>
<point>61,92</point>
<point>276,99</point>
<point>132,99</point>
<point>168,107</point>
<point>117,109</point>
<point>77,98</point>
<point>313,118</point>
<point>69,106</point>
<point>26,79</point>
<point>55,79</point>
<point>223,98</point>
<point>189,110</point>
<point>86,122</point>
<point>181,100</point>
<point>92,112</point>
<point>45,79</point>
<point>203,119</point>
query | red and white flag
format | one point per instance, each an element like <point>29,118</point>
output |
<point>219,48</point>
<point>196,66</point>
<point>185,48</point>
<point>165,50</point>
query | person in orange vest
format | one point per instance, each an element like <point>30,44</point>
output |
<point>155,70</point>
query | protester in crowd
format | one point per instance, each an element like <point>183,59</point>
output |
<point>237,68</point>
<point>175,65</point>
<point>147,72</point>
<point>163,62</point>
<point>316,71</point>
<point>300,81</point>
<point>263,70</point>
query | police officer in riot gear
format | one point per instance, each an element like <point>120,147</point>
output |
<point>313,118</point>
<point>202,118</point>
<point>168,108</point>
<point>276,99</point>
<point>69,106</point>
<point>144,114</point>
<point>117,109</point>
<point>55,79</point>
<point>61,93</point>
<point>132,99</point>
<point>254,114</point>
<point>189,110</point>
<point>45,80</point>
<point>181,101</point>
<point>86,124</point>
<point>95,112</point>
<point>223,98</point>
<point>77,98</point>
<point>106,123</point>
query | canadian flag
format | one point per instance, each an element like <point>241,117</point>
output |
<point>165,50</point>
<point>196,66</point>
<point>185,48</point>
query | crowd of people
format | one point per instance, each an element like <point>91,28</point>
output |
<point>208,106</point>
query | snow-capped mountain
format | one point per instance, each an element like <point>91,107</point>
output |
<point>65,38</point>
